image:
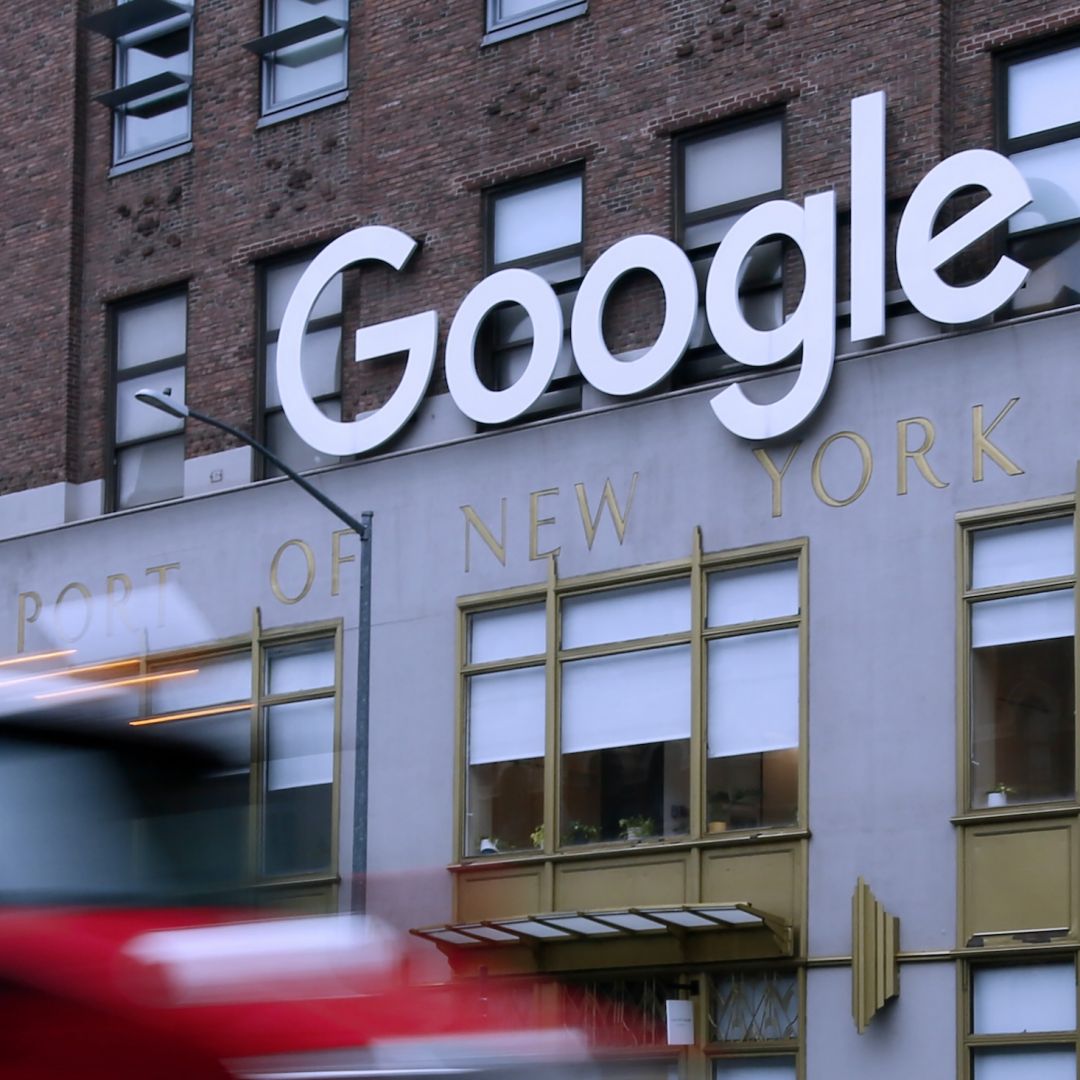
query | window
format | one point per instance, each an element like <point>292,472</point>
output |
<point>1022,1021</point>
<point>151,98</point>
<point>1020,601</point>
<point>507,18</point>
<point>270,713</point>
<point>304,50</point>
<point>606,674</point>
<point>754,1025</point>
<point>320,362</point>
<point>538,226</point>
<point>719,176</point>
<point>1040,132</point>
<point>149,346</point>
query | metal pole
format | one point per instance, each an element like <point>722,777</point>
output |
<point>362,529</point>
<point>363,707</point>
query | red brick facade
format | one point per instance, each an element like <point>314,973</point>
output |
<point>432,118</point>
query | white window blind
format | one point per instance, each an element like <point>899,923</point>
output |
<point>507,633</point>
<point>537,219</point>
<point>506,716</point>
<point>625,614</point>
<point>1029,552</point>
<point>1037,617</point>
<point>1024,1063</point>
<point>1029,997</point>
<point>733,165</point>
<point>1036,102</point>
<point>753,696</point>
<point>756,592</point>
<point>626,700</point>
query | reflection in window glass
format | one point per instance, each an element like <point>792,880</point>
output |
<point>150,341</point>
<point>537,226</point>
<point>320,363</point>
<point>298,813</point>
<point>313,62</point>
<point>1041,143</point>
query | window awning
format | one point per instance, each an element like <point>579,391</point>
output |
<point>604,925</point>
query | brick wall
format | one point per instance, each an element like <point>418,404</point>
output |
<point>432,118</point>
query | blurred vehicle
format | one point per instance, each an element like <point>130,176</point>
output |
<point>130,947</point>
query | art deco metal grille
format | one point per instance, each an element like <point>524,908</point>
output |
<point>631,1010</point>
<point>752,1006</point>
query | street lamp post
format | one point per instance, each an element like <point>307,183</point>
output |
<point>362,527</point>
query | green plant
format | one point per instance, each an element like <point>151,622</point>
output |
<point>577,832</point>
<point>640,825</point>
<point>537,836</point>
<point>1003,789</point>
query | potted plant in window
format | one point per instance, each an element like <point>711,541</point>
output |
<point>637,827</point>
<point>537,836</point>
<point>999,795</point>
<point>578,832</point>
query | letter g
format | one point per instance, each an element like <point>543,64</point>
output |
<point>416,334</point>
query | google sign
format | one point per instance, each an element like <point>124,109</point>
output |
<point>920,253</point>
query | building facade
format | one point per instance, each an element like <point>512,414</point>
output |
<point>778,722</point>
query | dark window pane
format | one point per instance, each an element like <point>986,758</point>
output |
<point>1022,722</point>
<point>506,806</point>
<point>626,792</point>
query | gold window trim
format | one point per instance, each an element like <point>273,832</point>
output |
<point>695,569</point>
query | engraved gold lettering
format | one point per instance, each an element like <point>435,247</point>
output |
<point>536,522</point>
<point>864,479</point>
<point>497,547</point>
<point>162,572</point>
<point>776,476</point>
<point>904,454</point>
<point>26,618</point>
<point>982,446</point>
<point>114,603</point>
<point>591,522</point>
<point>336,559</point>
<point>65,592</point>
<point>309,580</point>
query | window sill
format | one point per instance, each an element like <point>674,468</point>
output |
<point>538,22</point>
<point>620,849</point>
<point>1026,812</point>
<point>301,108</point>
<point>164,154</point>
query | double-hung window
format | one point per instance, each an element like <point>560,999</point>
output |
<point>535,225</point>
<point>720,174</point>
<point>320,362</point>
<point>1039,129</point>
<point>1022,1021</point>
<point>507,18</point>
<point>149,350</point>
<point>1020,605</point>
<point>581,724</point>
<point>151,95</point>
<point>304,51</point>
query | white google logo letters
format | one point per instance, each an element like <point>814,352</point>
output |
<point>919,255</point>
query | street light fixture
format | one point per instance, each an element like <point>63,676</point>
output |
<point>178,408</point>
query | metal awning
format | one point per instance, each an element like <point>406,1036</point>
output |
<point>604,925</point>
